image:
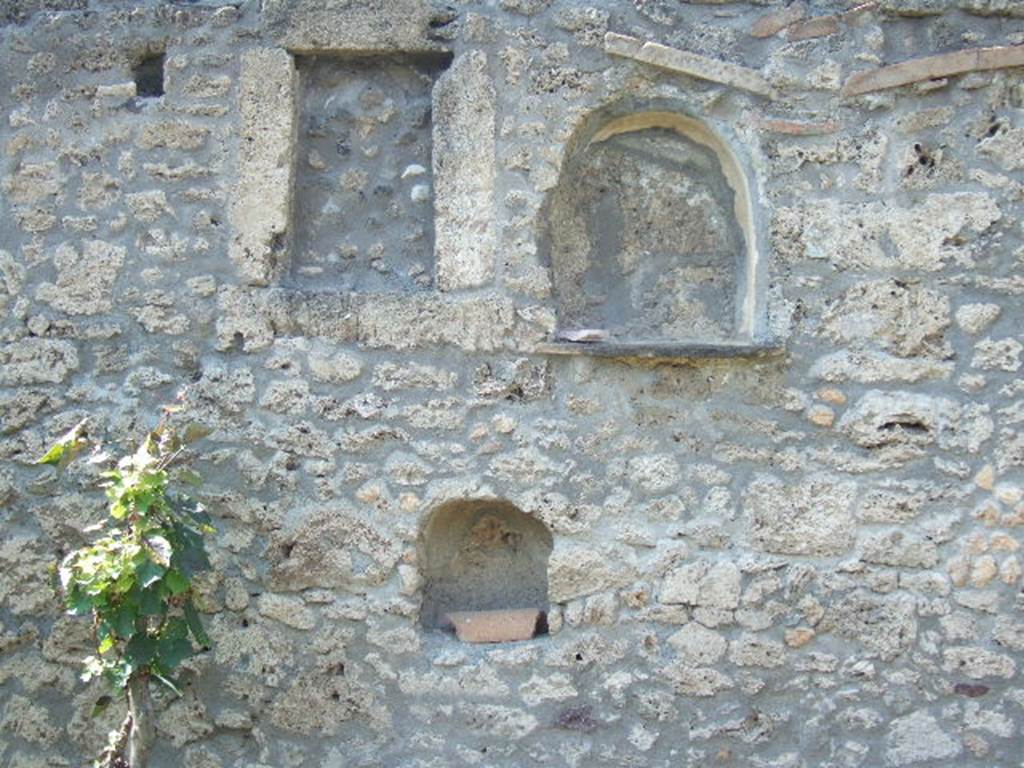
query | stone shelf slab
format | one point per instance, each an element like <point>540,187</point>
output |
<point>687,63</point>
<point>666,350</point>
<point>501,626</point>
<point>933,67</point>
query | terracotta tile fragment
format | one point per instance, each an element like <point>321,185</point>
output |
<point>502,626</point>
<point>798,127</point>
<point>771,23</point>
<point>687,63</point>
<point>820,26</point>
<point>931,67</point>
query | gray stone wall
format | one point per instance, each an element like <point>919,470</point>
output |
<point>806,558</point>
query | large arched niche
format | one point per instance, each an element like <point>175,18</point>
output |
<point>482,555</point>
<point>651,233</point>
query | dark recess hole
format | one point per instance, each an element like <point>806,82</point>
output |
<point>149,76</point>
<point>907,425</point>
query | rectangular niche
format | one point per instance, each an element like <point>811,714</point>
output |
<point>363,210</point>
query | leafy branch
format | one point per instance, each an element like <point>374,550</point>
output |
<point>135,579</point>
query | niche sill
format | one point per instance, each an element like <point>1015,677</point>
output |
<point>500,626</point>
<point>664,350</point>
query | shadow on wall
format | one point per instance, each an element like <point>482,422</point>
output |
<point>482,555</point>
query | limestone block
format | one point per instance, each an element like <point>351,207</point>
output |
<point>84,280</point>
<point>886,626</point>
<point>886,418</point>
<point>37,361</point>
<point>697,645</point>
<point>405,322</point>
<point>918,738</point>
<point>464,172</point>
<point>810,517</point>
<point>261,204</point>
<point>575,572</point>
<point>714,585</point>
<point>354,26</point>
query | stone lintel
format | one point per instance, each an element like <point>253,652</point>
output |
<point>932,67</point>
<point>261,205</point>
<point>355,26</point>
<point>687,63</point>
<point>465,167</point>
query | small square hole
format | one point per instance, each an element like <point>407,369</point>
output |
<point>149,76</point>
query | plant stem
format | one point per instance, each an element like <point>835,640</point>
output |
<point>142,734</point>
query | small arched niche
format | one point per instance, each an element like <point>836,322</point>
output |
<point>482,555</point>
<point>651,234</point>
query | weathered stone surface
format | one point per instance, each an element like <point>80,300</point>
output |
<point>812,517</point>
<point>330,548</point>
<point>697,646</point>
<point>576,572</point>
<point>84,280</point>
<point>868,367</point>
<point>261,204</point>
<point>975,318</point>
<point>978,663</point>
<point>287,610</point>
<point>886,626</point>
<point>907,320</point>
<point>886,418</point>
<point>364,26</point>
<point>465,168</point>
<point>715,585</point>
<point>37,361</point>
<point>918,738</point>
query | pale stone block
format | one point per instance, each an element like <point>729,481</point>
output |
<point>464,172</point>
<point>261,204</point>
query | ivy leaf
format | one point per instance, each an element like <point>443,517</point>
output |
<point>77,602</point>
<point>140,650</point>
<point>100,706</point>
<point>171,651</point>
<point>176,582</point>
<point>151,602</point>
<point>149,573</point>
<point>196,625</point>
<point>122,619</point>
<point>66,447</point>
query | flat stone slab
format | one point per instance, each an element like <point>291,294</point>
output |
<point>687,63</point>
<point>502,626</point>
<point>662,349</point>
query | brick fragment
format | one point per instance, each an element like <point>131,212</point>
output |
<point>501,626</point>
<point>798,127</point>
<point>687,63</point>
<point>773,23</point>
<point>932,67</point>
<point>820,26</point>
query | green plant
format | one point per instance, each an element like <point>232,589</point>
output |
<point>135,579</point>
